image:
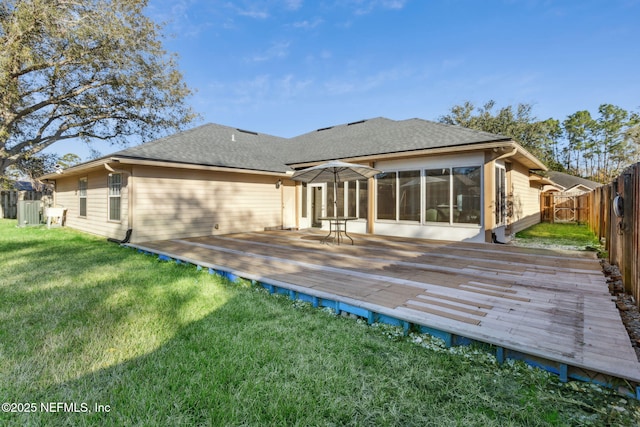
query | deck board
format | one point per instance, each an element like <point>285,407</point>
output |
<point>550,304</point>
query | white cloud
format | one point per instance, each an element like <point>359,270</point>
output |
<point>293,4</point>
<point>308,25</point>
<point>362,84</point>
<point>363,7</point>
<point>275,51</point>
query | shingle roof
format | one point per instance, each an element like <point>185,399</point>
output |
<point>569,181</point>
<point>214,145</point>
<point>380,136</point>
<point>224,146</point>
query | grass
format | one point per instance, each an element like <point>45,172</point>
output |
<point>575,235</point>
<point>84,322</point>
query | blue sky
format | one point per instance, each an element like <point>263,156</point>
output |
<point>291,66</point>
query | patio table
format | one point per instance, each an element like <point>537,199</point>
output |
<point>337,226</point>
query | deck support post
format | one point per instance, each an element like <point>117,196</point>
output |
<point>406,326</point>
<point>315,302</point>
<point>371,318</point>
<point>500,355</point>
<point>292,295</point>
<point>564,369</point>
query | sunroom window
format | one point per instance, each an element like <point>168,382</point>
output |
<point>386,183</point>
<point>437,195</point>
<point>467,192</point>
<point>409,191</point>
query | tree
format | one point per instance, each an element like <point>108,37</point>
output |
<point>83,69</point>
<point>615,149</point>
<point>537,136</point>
<point>68,160</point>
<point>599,148</point>
<point>579,129</point>
<point>33,167</point>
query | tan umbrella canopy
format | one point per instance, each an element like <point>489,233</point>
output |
<point>335,171</point>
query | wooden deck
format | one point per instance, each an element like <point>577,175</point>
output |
<point>541,305</point>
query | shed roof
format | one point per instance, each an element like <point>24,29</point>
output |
<point>567,181</point>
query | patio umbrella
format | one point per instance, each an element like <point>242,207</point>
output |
<point>335,171</point>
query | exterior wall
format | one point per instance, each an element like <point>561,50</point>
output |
<point>172,203</point>
<point>97,218</point>
<point>525,199</point>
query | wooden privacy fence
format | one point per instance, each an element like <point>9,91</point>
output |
<point>620,229</point>
<point>9,201</point>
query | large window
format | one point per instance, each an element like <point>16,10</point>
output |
<point>357,198</point>
<point>437,195</point>
<point>115,184</point>
<point>82,196</point>
<point>451,195</point>
<point>409,203</point>
<point>386,182</point>
<point>467,191</point>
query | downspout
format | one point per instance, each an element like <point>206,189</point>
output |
<point>129,203</point>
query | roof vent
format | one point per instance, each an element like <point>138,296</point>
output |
<point>233,137</point>
<point>247,131</point>
<point>356,123</point>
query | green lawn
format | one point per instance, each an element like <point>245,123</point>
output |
<point>84,322</point>
<point>577,235</point>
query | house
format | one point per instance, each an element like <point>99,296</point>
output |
<point>438,181</point>
<point>569,184</point>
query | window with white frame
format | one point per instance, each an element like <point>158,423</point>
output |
<point>357,199</point>
<point>437,195</point>
<point>386,183</point>
<point>450,195</point>
<point>409,184</point>
<point>467,191</point>
<point>363,199</point>
<point>82,196</point>
<point>115,185</point>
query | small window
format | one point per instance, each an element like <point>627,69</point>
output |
<point>115,184</point>
<point>82,196</point>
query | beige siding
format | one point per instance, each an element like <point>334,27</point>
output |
<point>97,218</point>
<point>172,204</point>
<point>525,199</point>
